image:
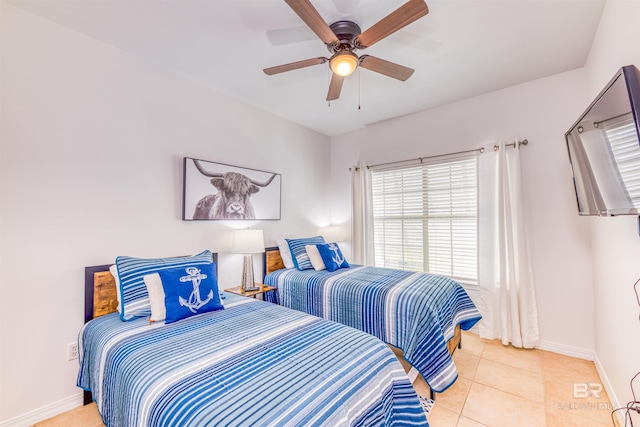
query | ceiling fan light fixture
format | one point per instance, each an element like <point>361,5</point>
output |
<point>343,63</point>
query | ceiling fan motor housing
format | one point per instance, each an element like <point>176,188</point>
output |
<point>346,32</point>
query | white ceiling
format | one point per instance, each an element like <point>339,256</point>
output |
<point>462,48</point>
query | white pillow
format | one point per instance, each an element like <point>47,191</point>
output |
<point>156,297</point>
<point>114,272</point>
<point>315,258</point>
<point>285,253</point>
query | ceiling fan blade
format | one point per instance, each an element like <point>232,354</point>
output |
<point>305,10</point>
<point>335,87</point>
<point>387,68</point>
<point>294,65</point>
<point>399,18</point>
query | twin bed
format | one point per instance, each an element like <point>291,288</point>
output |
<point>251,363</point>
<point>419,314</point>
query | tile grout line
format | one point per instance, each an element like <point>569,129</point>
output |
<point>542,374</point>
<point>473,381</point>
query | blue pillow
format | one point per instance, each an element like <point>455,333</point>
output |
<point>332,256</point>
<point>190,290</point>
<point>134,301</point>
<point>299,254</point>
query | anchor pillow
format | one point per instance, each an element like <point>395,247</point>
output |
<point>332,256</point>
<point>190,290</point>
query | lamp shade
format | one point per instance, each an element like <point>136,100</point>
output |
<point>247,242</point>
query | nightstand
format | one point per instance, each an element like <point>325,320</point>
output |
<point>263,288</point>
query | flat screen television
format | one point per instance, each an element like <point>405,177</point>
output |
<point>604,149</point>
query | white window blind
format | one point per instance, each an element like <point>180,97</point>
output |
<point>425,218</point>
<point>623,141</point>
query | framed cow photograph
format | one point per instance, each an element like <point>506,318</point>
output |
<point>216,191</point>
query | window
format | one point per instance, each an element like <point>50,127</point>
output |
<point>623,141</point>
<point>425,218</point>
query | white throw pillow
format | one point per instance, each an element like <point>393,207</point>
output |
<point>285,253</point>
<point>315,258</point>
<point>156,297</point>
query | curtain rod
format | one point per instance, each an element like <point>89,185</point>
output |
<point>496,147</point>
<point>421,159</point>
<point>622,118</point>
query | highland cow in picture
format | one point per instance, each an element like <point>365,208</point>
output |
<point>233,192</point>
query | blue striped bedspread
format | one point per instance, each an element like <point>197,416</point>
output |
<point>415,312</point>
<point>252,364</point>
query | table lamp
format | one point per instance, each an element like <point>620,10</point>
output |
<point>248,242</point>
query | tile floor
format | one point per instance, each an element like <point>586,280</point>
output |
<point>505,386</point>
<point>497,386</point>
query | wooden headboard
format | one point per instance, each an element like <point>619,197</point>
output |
<point>100,296</point>
<point>272,260</point>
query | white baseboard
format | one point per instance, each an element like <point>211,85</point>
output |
<point>609,388</point>
<point>45,412</point>
<point>567,350</point>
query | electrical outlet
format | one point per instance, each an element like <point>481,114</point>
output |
<point>72,351</point>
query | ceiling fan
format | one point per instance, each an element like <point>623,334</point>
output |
<point>343,38</point>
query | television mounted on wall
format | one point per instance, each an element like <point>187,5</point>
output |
<point>604,149</point>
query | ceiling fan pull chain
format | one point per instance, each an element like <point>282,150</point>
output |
<point>359,88</point>
<point>329,75</point>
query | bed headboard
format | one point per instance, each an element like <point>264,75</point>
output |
<point>99,292</point>
<point>272,260</point>
<point>100,296</point>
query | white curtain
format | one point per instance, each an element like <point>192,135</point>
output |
<point>362,216</point>
<point>507,298</point>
